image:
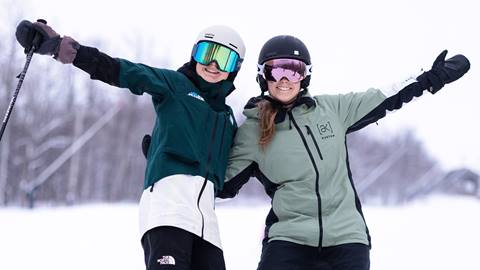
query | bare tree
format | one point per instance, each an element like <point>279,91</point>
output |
<point>391,169</point>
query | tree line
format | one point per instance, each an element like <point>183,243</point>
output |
<point>73,140</point>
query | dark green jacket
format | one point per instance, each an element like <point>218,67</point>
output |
<point>189,137</point>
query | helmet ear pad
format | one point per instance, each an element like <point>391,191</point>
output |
<point>232,75</point>
<point>305,82</point>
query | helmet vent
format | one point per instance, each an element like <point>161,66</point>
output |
<point>233,45</point>
<point>209,35</point>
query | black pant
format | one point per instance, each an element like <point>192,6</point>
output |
<point>173,248</point>
<point>283,255</point>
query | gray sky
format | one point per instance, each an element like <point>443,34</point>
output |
<point>354,45</point>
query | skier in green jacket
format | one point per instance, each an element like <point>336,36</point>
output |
<point>190,142</point>
<point>296,146</point>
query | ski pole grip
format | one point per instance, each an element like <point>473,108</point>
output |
<point>38,37</point>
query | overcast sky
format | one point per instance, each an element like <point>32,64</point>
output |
<point>354,45</point>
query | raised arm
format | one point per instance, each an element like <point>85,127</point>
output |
<point>361,109</point>
<point>118,72</point>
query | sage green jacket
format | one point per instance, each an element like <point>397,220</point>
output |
<point>305,168</point>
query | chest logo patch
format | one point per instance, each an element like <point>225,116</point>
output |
<point>326,130</point>
<point>196,95</point>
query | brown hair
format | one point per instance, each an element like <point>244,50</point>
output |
<point>267,115</point>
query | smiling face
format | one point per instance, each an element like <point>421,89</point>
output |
<point>211,73</point>
<point>284,90</point>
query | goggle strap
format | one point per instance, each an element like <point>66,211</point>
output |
<point>308,70</point>
<point>261,69</point>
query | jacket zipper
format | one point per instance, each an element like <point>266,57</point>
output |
<point>198,203</point>
<point>207,166</point>
<point>317,176</point>
<point>223,137</point>
<point>309,132</point>
<point>220,151</point>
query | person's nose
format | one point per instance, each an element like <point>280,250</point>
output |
<point>214,64</point>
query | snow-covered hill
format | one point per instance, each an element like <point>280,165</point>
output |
<point>436,233</point>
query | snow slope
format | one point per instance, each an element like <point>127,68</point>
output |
<point>435,233</point>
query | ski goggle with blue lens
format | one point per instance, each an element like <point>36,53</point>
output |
<point>206,52</point>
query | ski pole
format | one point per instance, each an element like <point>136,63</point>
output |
<point>35,44</point>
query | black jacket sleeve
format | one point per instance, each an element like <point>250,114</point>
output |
<point>391,103</point>
<point>232,187</point>
<point>99,65</point>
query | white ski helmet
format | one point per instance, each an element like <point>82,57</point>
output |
<point>225,36</point>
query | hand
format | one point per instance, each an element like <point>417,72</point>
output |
<point>49,40</point>
<point>146,144</point>
<point>444,71</point>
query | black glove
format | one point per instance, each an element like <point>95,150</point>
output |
<point>146,144</point>
<point>444,71</point>
<point>49,41</point>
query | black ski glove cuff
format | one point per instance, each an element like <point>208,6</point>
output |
<point>99,65</point>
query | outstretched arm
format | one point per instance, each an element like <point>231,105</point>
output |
<point>361,109</point>
<point>118,72</point>
<point>67,51</point>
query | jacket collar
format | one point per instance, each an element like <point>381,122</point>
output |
<point>303,98</point>
<point>213,93</point>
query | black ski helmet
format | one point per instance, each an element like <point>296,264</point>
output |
<point>284,46</point>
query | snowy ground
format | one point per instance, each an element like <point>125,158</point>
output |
<point>435,233</point>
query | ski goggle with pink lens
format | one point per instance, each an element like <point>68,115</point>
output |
<point>206,52</point>
<point>292,69</point>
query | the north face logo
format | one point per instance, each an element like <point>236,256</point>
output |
<point>166,260</point>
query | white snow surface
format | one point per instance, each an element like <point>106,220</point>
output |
<point>434,233</point>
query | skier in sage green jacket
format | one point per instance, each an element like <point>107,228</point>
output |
<point>190,142</point>
<point>295,144</point>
